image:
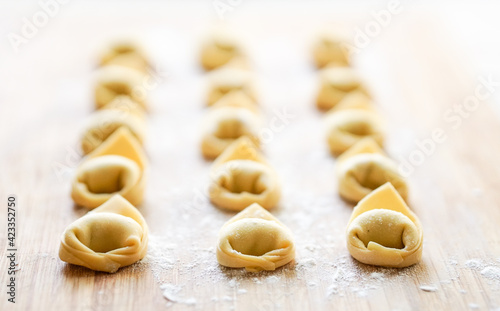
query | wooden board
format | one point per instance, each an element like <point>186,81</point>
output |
<point>413,67</point>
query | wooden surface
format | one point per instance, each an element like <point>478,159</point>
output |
<point>416,69</point>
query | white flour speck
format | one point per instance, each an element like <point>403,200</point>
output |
<point>491,272</point>
<point>428,288</point>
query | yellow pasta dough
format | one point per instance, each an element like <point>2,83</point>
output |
<point>239,183</point>
<point>101,124</point>
<point>237,99</point>
<point>344,128</point>
<point>242,148</point>
<point>126,105</point>
<point>365,145</point>
<point>115,167</point>
<point>227,80</point>
<point>335,84</point>
<point>241,176</point>
<point>125,53</point>
<point>331,49</point>
<point>354,100</point>
<point>383,231</point>
<point>255,240</point>
<point>112,236</point>
<point>113,81</point>
<point>219,49</point>
<point>362,173</point>
<point>223,125</point>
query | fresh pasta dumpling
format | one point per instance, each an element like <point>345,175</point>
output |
<point>241,176</point>
<point>101,124</point>
<point>125,105</point>
<point>237,99</point>
<point>115,167</point>
<point>362,173</point>
<point>255,240</point>
<point>383,231</point>
<point>331,49</point>
<point>223,125</point>
<point>219,49</point>
<point>354,100</point>
<point>346,127</point>
<point>112,236</point>
<point>227,80</point>
<point>335,84</point>
<point>113,81</point>
<point>242,148</point>
<point>125,53</point>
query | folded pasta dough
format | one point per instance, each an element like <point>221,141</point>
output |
<point>227,80</point>
<point>112,236</point>
<point>115,167</point>
<point>125,53</point>
<point>346,127</point>
<point>362,173</point>
<point>112,81</point>
<point>126,105</point>
<point>335,84</point>
<point>365,145</point>
<point>101,124</point>
<point>331,49</point>
<point>383,231</point>
<point>255,240</point>
<point>242,148</point>
<point>237,99</point>
<point>354,100</point>
<point>223,125</point>
<point>219,49</point>
<point>238,183</point>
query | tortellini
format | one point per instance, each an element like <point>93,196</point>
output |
<point>219,49</point>
<point>344,128</point>
<point>255,240</point>
<point>125,53</point>
<point>115,167</point>
<point>228,79</point>
<point>101,124</point>
<point>112,236</point>
<point>354,100</point>
<point>241,176</point>
<point>335,84</point>
<point>362,173</point>
<point>383,231</point>
<point>331,49</point>
<point>223,125</point>
<point>237,99</point>
<point>113,81</point>
<point>126,105</point>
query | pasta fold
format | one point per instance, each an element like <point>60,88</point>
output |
<point>241,176</point>
<point>345,128</point>
<point>125,53</point>
<point>223,125</point>
<point>111,236</point>
<point>335,84</point>
<point>255,240</point>
<point>112,81</point>
<point>226,80</point>
<point>383,231</point>
<point>115,167</point>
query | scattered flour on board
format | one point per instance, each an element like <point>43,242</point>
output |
<point>173,294</point>
<point>474,263</point>
<point>491,272</point>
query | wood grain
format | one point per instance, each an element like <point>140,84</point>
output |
<point>416,72</point>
